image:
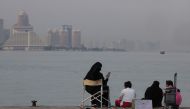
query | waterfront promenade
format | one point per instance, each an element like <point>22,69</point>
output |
<point>58,107</point>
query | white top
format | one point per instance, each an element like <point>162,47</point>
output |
<point>127,94</point>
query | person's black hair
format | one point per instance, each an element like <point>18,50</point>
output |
<point>178,90</point>
<point>128,84</point>
<point>169,82</point>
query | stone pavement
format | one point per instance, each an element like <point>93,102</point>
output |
<point>57,107</point>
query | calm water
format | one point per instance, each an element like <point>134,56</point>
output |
<point>55,77</point>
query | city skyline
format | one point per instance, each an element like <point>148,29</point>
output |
<point>23,37</point>
<point>108,20</point>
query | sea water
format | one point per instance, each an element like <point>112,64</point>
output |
<point>54,78</point>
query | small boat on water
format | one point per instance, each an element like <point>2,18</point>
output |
<point>162,52</point>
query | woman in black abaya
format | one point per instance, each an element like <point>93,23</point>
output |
<point>94,74</point>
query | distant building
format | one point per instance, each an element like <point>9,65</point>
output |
<point>22,36</point>
<point>60,38</point>
<point>1,31</point>
<point>53,38</point>
<point>76,39</point>
<point>66,36</point>
<point>22,23</point>
<point>4,33</point>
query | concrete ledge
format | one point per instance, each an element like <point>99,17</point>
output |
<point>61,107</point>
<point>39,107</point>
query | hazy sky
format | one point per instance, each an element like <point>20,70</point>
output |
<point>105,20</point>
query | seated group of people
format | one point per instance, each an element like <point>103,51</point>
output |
<point>154,92</point>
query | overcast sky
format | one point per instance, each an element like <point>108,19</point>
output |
<point>105,20</point>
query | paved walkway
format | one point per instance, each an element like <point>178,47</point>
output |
<point>52,107</point>
<point>39,107</point>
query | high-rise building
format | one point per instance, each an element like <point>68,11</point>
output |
<point>66,36</point>
<point>1,31</point>
<point>1,26</point>
<point>63,38</point>
<point>53,38</point>
<point>22,23</point>
<point>22,35</point>
<point>76,39</point>
<point>58,38</point>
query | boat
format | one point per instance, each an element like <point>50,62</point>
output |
<point>162,52</point>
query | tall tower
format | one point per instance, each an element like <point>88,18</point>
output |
<point>76,39</point>
<point>1,26</point>
<point>22,36</point>
<point>53,38</point>
<point>22,23</point>
<point>1,31</point>
<point>67,35</point>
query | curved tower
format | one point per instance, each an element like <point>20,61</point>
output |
<point>22,23</point>
<point>22,36</point>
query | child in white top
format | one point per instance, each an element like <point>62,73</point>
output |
<point>126,96</point>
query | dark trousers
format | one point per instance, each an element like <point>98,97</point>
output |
<point>106,93</point>
<point>175,107</point>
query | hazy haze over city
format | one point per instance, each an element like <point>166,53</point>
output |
<point>167,21</point>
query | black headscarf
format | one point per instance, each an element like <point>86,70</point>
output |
<point>154,93</point>
<point>94,73</point>
<point>155,84</point>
